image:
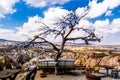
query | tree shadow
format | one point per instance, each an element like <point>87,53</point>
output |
<point>71,73</point>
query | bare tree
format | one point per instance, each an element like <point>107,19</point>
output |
<point>69,22</point>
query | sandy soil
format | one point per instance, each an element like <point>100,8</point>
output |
<point>69,76</point>
<point>75,75</point>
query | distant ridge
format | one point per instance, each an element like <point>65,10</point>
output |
<point>4,40</point>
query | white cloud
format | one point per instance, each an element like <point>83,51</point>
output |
<point>50,16</point>
<point>53,14</point>
<point>21,33</point>
<point>102,23</point>
<point>105,27</point>
<point>80,11</point>
<point>116,22</point>
<point>6,7</point>
<point>7,34</point>
<point>29,28</point>
<point>112,3</point>
<point>111,39</point>
<point>100,8</point>
<point>108,13</point>
<point>109,30</point>
<point>43,3</point>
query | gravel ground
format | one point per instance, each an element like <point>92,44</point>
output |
<point>70,76</point>
<point>75,75</point>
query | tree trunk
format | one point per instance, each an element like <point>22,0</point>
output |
<point>57,63</point>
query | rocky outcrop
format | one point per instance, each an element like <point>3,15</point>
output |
<point>110,61</point>
<point>80,58</point>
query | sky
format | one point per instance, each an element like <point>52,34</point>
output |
<point>17,17</point>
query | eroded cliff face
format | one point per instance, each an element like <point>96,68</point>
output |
<point>82,56</point>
